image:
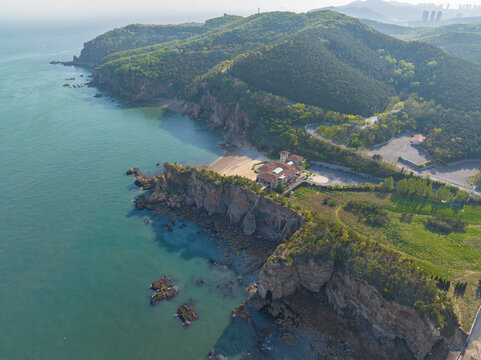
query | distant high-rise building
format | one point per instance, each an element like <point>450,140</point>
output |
<point>438,16</point>
<point>433,16</point>
<point>447,7</point>
<point>425,16</point>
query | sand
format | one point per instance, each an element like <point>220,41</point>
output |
<point>239,162</point>
<point>319,179</point>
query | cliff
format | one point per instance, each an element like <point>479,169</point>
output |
<point>311,293</point>
<point>231,120</point>
<point>301,291</point>
<point>229,208</point>
<point>133,89</point>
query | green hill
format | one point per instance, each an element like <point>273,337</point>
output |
<point>324,59</point>
<point>461,40</point>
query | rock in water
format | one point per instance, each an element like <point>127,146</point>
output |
<point>186,314</point>
<point>132,171</point>
<point>242,313</point>
<point>164,290</point>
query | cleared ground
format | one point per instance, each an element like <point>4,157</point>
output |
<point>239,162</point>
<point>400,146</point>
<point>456,173</point>
<point>326,176</point>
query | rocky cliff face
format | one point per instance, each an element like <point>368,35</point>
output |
<point>132,89</point>
<point>230,120</point>
<point>309,293</point>
<point>230,208</point>
<point>90,56</point>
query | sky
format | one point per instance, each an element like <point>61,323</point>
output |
<point>161,11</point>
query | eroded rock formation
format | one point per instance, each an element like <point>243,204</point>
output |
<point>307,292</point>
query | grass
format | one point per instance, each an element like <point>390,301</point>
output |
<point>454,256</point>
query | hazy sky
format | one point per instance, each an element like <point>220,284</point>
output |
<point>162,10</point>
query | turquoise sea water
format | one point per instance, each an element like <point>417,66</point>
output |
<point>76,259</point>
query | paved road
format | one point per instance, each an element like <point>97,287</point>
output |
<point>311,129</point>
<point>473,345</point>
<point>455,174</point>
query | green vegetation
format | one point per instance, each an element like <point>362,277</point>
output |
<point>445,225</point>
<point>367,213</point>
<point>461,40</point>
<point>442,240</point>
<point>475,179</point>
<point>419,187</point>
<point>397,277</point>
<point>336,68</point>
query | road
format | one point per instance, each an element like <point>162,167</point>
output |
<point>473,344</point>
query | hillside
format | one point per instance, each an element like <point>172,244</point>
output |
<point>327,61</point>
<point>356,68</point>
<point>460,40</point>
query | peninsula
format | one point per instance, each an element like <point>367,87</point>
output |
<point>394,265</point>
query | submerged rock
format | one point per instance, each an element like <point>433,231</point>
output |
<point>164,290</point>
<point>242,313</point>
<point>186,314</point>
<point>199,282</point>
<point>98,95</point>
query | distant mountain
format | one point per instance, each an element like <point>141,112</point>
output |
<point>405,13</point>
<point>461,40</point>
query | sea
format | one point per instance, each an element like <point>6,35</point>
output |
<point>76,257</point>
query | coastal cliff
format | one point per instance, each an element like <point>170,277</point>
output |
<point>229,119</point>
<point>325,298</point>
<point>131,88</point>
<point>312,291</point>
<point>231,209</point>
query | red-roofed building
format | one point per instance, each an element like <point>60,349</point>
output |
<point>274,173</point>
<point>417,139</point>
<point>296,159</point>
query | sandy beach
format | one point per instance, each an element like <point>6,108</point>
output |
<point>239,162</point>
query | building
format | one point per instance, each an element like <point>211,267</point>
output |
<point>417,139</point>
<point>274,173</point>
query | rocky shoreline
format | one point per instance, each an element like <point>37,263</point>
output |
<point>307,294</point>
<point>300,295</point>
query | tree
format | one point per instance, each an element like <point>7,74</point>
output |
<point>280,188</point>
<point>387,185</point>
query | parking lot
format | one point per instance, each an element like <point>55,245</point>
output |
<point>400,146</point>
<point>326,176</point>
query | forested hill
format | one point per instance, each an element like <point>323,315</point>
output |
<point>321,58</point>
<point>461,40</point>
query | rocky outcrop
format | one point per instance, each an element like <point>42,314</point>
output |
<point>186,314</point>
<point>231,208</point>
<point>132,88</point>
<point>310,293</point>
<point>278,280</point>
<point>228,119</point>
<point>163,289</point>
